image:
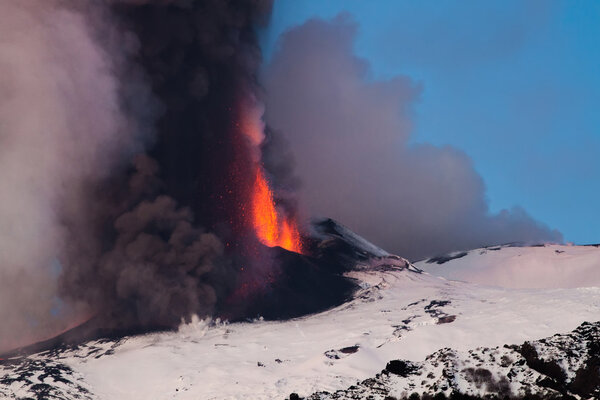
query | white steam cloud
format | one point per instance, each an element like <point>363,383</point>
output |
<point>349,135</point>
<point>60,129</point>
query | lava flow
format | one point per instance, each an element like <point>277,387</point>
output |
<point>271,228</point>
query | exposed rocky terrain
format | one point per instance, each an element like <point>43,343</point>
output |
<point>563,366</point>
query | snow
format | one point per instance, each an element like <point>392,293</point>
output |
<point>400,314</point>
<point>497,372</point>
<point>549,266</point>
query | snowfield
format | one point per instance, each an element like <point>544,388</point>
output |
<point>549,266</point>
<point>400,313</point>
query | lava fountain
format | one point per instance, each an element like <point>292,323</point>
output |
<point>272,228</point>
<point>272,225</point>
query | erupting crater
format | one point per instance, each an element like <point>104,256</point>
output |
<point>272,228</point>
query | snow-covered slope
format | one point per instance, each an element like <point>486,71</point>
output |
<point>559,367</point>
<point>544,266</point>
<point>399,314</point>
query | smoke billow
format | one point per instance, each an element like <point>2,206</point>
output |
<point>60,131</point>
<point>123,175</point>
<point>349,134</point>
<point>175,228</point>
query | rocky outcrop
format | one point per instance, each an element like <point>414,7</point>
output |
<point>563,366</point>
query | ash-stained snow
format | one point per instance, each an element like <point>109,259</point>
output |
<point>46,375</point>
<point>399,314</point>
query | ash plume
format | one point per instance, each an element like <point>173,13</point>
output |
<point>349,134</point>
<point>122,173</point>
<point>165,232</point>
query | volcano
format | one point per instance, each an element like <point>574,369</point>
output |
<point>148,208</point>
<point>376,326</point>
<point>302,285</point>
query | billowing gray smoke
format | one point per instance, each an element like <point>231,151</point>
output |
<point>350,134</point>
<point>60,130</point>
<point>163,223</point>
<point>116,133</point>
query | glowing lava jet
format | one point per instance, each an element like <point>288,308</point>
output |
<point>272,226</point>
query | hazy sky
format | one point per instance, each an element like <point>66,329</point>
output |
<point>513,84</point>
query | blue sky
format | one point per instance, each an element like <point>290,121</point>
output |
<point>514,84</point>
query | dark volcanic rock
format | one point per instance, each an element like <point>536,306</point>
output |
<point>401,367</point>
<point>301,284</point>
<point>564,366</point>
<point>448,257</point>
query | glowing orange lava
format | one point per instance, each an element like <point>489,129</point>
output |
<point>270,229</point>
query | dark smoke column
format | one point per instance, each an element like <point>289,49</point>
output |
<point>167,229</point>
<point>200,58</point>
